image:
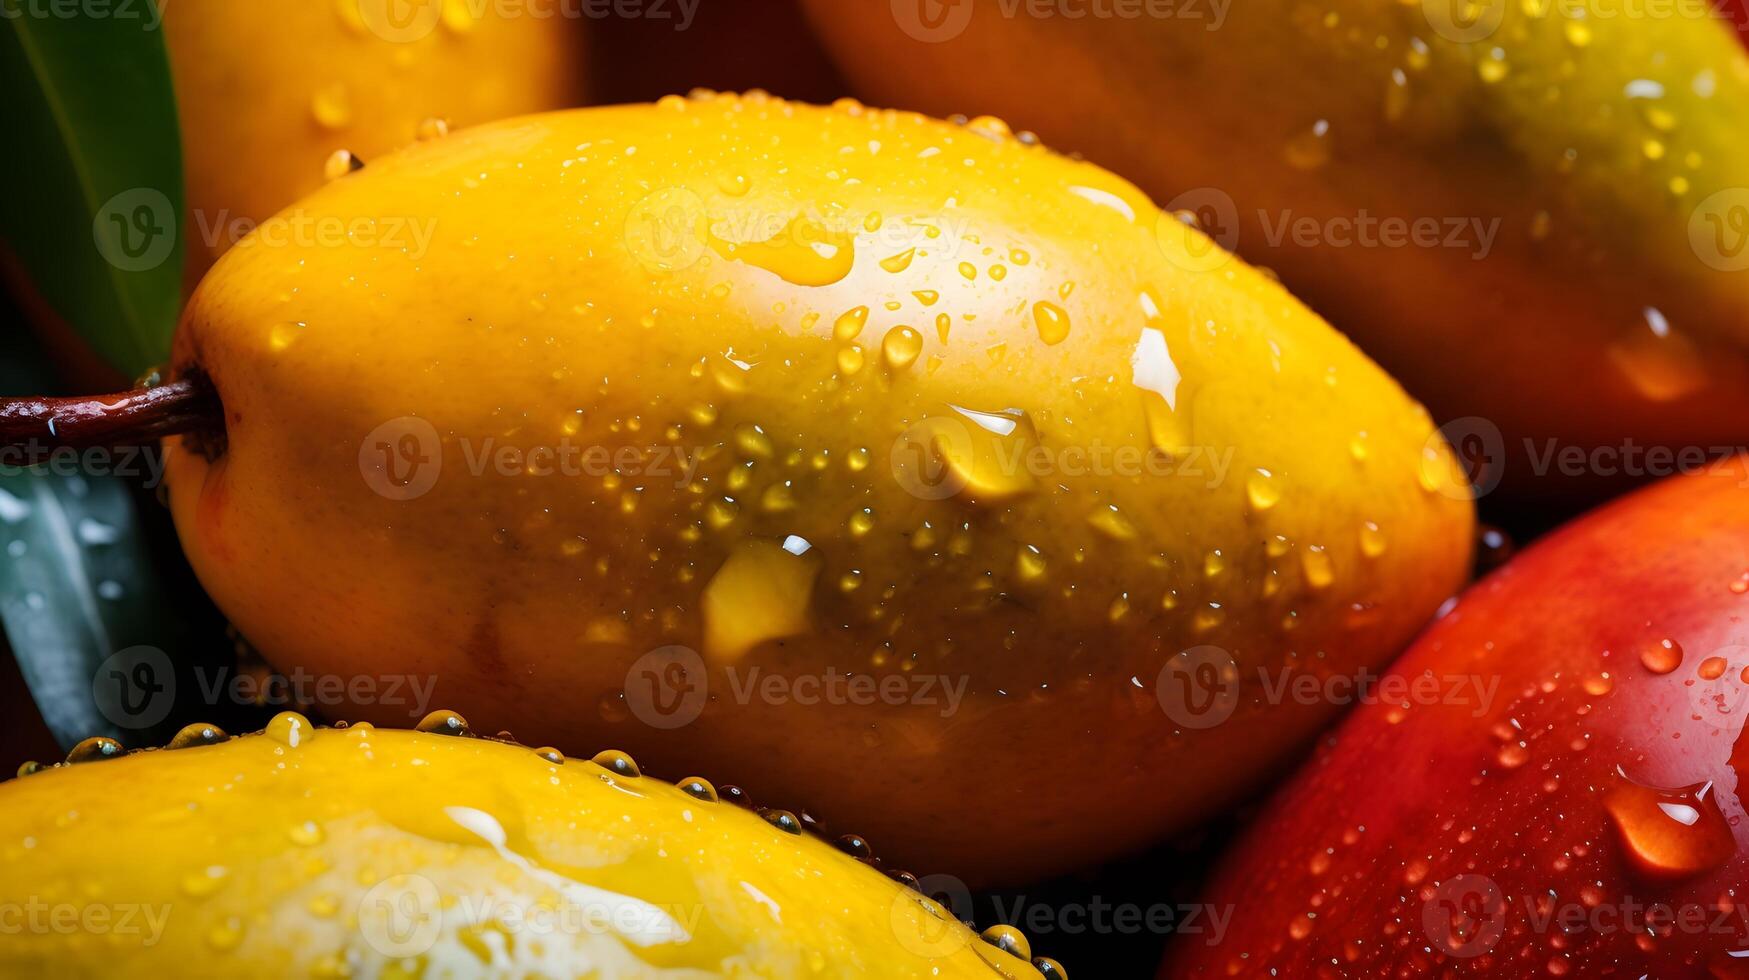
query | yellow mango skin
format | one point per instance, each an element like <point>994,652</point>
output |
<point>1609,201</point>
<point>1052,602</point>
<point>267,92</point>
<point>305,852</point>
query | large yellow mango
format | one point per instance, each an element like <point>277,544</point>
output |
<point>894,459</point>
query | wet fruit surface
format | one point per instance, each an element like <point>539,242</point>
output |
<point>1585,821</point>
<point>305,851</point>
<point>267,94</point>
<point>1534,214</point>
<point>899,455</point>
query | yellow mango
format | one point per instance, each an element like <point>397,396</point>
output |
<point>894,459</point>
<point>267,93</point>
<point>317,852</point>
<point>1534,214</point>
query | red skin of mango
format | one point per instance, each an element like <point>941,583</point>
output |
<point>1434,839</point>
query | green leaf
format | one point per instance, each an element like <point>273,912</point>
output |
<point>81,600</point>
<point>93,172</point>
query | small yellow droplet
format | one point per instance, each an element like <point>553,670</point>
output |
<point>850,359</point>
<point>752,442</point>
<point>733,185</point>
<point>899,262</point>
<point>431,128</point>
<point>1052,322</point>
<point>289,728</point>
<point>1493,68</point>
<point>849,324</point>
<point>1112,524</point>
<point>900,347</point>
<point>1261,490</point>
<point>1029,564</point>
<point>283,336</point>
<point>332,106</point>
<point>1213,563</point>
<point>306,834</point>
<point>1319,570</point>
<point>968,270</point>
<point>1653,149</point>
<point>1372,540</point>
<point>927,296</point>
<point>340,163</point>
<point>1578,33</point>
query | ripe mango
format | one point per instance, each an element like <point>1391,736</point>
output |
<point>1536,215</point>
<point>312,852</point>
<point>268,92</point>
<point>893,458</point>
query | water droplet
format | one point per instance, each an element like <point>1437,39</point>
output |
<point>1319,569</point>
<point>1261,490</point>
<point>332,106</point>
<point>1372,540</point>
<point>762,592</point>
<point>806,252</point>
<point>283,335</point>
<point>95,749</point>
<point>1029,564</point>
<point>1671,833</point>
<point>1661,657</point>
<point>899,262</point>
<point>900,347</point>
<point>1712,668</point>
<point>849,324</point>
<point>198,734</point>
<point>443,722</point>
<point>1052,322</point>
<point>1311,149</point>
<point>618,763</point>
<point>340,163</point>
<point>431,128</point>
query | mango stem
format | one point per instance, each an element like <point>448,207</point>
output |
<point>186,406</point>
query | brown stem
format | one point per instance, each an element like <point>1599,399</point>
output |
<point>140,417</point>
